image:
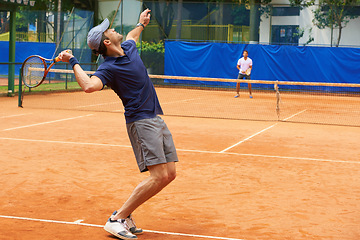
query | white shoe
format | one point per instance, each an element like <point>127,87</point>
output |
<point>119,228</point>
<point>132,226</point>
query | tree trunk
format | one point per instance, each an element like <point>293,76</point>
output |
<point>254,21</point>
<point>41,26</point>
<point>58,23</point>
<point>339,37</point>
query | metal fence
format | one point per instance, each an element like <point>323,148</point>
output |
<point>222,33</point>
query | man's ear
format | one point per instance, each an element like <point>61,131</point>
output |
<point>107,42</point>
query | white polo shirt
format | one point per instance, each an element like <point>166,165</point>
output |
<point>244,64</point>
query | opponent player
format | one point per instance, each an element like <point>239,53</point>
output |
<point>244,65</point>
<point>152,142</point>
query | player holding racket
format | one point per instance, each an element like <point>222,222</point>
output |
<point>152,143</point>
<point>245,66</point>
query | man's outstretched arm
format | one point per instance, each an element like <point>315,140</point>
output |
<point>144,19</point>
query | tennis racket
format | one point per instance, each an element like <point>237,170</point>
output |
<point>35,68</point>
<point>248,71</point>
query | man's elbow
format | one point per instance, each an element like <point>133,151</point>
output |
<point>90,89</point>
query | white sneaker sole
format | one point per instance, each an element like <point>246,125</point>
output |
<point>137,233</point>
<point>109,230</point>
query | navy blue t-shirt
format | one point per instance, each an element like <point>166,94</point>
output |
<point>127,76</point>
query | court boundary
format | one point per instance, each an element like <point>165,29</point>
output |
<point>79,223</point>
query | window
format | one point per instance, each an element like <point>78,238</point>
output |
<point>286,11</point>
<point>285,34</point>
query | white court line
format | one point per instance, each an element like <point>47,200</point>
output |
<point>65,142</point>
<point>99,104</point>
<point>186,150</point>
<point>101,226</point>
<point>294,115</point>
<point>37,124</point>
<point>244,140</point>
<point>17,115</point>
<point>184,100</point>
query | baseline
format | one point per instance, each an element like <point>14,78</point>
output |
<point>101,226</point>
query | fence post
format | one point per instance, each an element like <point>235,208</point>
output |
<point>230,32</point>
<point>12,41</point>
<point>20,90</point>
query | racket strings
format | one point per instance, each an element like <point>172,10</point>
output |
<point>33,71</point>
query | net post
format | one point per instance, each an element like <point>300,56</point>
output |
<point>277,93</point>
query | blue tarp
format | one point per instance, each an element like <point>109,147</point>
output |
<point>24,50</point>
<point>270,62</point>
<point>46,50</point>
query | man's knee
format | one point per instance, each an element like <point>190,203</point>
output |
<point>167,177</point>
<point>163,174</point>
<point>161,178</point>
<point>171,175</point>
<point>171,170</point>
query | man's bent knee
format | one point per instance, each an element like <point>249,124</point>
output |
<point>171,175</point>
<point>171,171</point>
<point>159,174</point>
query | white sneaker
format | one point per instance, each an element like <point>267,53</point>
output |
<point>119,228</point>
<point>132,226</point>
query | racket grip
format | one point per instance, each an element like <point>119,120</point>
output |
<point>57,59</point>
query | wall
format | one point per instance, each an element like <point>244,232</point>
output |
<point>270,62</point>
<point>24,50</point>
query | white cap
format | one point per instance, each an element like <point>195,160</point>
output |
<point>95,34</point>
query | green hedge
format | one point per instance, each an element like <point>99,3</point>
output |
<point>153,55</point>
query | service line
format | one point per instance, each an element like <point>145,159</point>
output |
<point>185,150</point>
<point>17,115</point>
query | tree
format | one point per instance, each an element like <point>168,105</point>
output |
<point>331,13</point>
<point>334,13</point>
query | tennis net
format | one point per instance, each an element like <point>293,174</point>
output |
<point>302,102</point>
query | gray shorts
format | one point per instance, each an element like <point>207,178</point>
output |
<point>242,76</point>
<point>152,142</point>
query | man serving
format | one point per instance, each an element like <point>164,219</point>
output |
<point>151,140</point>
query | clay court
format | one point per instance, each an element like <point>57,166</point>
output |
<point>64,171</point>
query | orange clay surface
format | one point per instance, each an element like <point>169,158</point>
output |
<point>290,181</point>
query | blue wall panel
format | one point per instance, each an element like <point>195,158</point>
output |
<point>270,62</point>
